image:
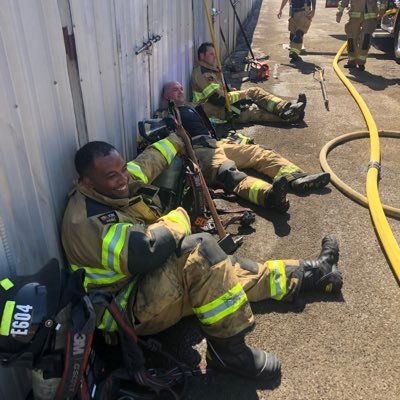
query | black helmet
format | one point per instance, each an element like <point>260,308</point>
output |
<point>28,305</point>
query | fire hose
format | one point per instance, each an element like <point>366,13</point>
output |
<point>372,200</point>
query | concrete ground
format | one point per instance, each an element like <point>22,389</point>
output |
<point>331,347</point>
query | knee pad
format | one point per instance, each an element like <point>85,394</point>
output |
<point>350,45</point>
<point>229,176</point>
<point>298,36</point>
<point>209,248</point>
<point>366,42</point>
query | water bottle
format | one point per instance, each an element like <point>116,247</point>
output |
<point>275,71</point>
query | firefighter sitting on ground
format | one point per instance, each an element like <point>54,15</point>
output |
<point>221,161</point>
<point>207,88</point>
<point>159,272</point>
<point>363,18</point>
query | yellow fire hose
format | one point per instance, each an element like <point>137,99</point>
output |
<point>373,201</point>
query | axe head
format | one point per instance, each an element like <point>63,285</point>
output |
<point>228,244</point>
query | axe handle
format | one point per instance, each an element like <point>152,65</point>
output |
<point>211,206</point>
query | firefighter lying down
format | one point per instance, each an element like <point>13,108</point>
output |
<point>159,272</point>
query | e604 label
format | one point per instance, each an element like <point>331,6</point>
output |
<point>21,320</point>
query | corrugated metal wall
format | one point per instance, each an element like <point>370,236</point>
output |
<point>51,103</point>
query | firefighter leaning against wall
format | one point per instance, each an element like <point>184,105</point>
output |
<point>221,161</point>
<point>363,18</point>
<point>159,272</point>
<point>207,88</point>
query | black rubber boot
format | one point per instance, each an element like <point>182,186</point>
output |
<point>293,111</point>
<point>350,66</point>
<point>275,198</point>
<point>310,182</point>
<point>233,355</point>
<point>361,67</point>
<point>323,273</point>
<point>294,56</point>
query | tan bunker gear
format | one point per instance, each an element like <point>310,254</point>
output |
<point>158,272</point>
<point>362,23</point>
<point>299,24</point>
<point>208,90</point>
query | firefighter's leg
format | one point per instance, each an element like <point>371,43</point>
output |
<point>273,165</point>
<point>282,108</point>
<point>279,280</point>
<point>368,27</point>
<point>284,279</point>
<point>300,25</point>
<point>155,158</point>
<point>352,29</point>
<point>201,280</point>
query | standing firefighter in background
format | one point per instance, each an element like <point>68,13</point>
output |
<point>363,17</point>
<point>208,89</point>
<point>159,272</point>
<point>300,16</point>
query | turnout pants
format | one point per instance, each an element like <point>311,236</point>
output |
<point>359,32</point>
<point>222,161</point>
<point>267,107</point>
<point>202,280</point>
<point>299,24</point>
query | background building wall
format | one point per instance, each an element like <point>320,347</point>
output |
<point>69,73</point>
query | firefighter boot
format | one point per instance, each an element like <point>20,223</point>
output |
<point>233,355</point>
<point>323,273</point>
<point>275,197</point>
<point>293,112</point>
<point>310,182</point>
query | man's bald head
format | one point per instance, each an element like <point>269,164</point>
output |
<point>173,91</point>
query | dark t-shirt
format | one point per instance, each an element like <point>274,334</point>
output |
<point>192,122</point>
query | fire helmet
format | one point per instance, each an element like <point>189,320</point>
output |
<point>28,305</point>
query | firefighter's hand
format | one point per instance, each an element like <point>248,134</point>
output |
<point>242,95</point>
<point>311,14</point>
<point>338,17</point>
<point>279,15</point>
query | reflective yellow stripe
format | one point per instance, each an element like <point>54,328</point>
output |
<point>176,216</point>
<point>234,96</point>
<point>166,148</point>
<point>340,8</point>
<point>112,246</point>
<point>107,322</point>
<point>273,102</point>
<point>254,189</point>
<point>235,109</point>
<point>362,57</point>
<point>244,139</point>
<point>351,58</point>
<point>217,121</point>
<point>203,95</point>
<point>6,284</point>
<point>287,170</point>
<point>370,15</point>
<point>98,276</point>
<point>135,170</point>
<point>355,14</point>
<point>277,278</point>
<point>6,318</point>
<point>221,307</point>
